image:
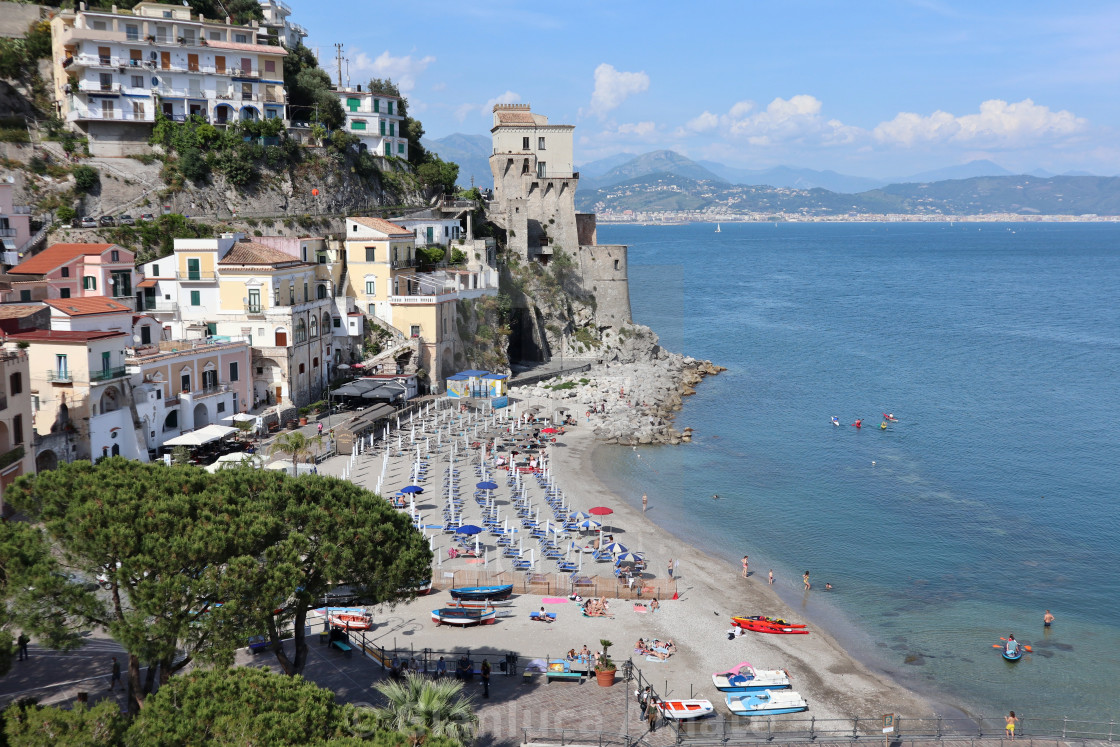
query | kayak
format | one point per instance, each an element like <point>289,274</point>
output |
<point>772,620</point>
<point>1012,655</point>
<point>761,626</point>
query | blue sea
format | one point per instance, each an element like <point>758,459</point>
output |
<point>994,497</point>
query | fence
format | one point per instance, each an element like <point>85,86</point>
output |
<point>546,584</point>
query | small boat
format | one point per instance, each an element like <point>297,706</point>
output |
<point>761,626</point>
<point>463,617</point>
<point>1012,651</point>
<point>483,592</point>
<point>772,621</point>
<point>685,709</point>
<point>717,231</point>
<point>350,619</point>
<point>766,703</point>
<point>422,588</point>
<point>479,604</point>
<point>836,421</point>
<point>746,679</point>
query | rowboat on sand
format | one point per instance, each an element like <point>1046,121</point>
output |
<point>746,679</point>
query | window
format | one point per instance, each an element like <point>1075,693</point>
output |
<point>270,66</point>
<point>400,147</point>
<point>145,335</point>
<point>302,368</point>
<point>314,327</point>
<point>132,32</point>
<point>15,383</point>
<point>291,294</point>
<point>371,310</point>
<point>65,272</point>
<point>25,295</point>
<point>241,38</point>
<point>62,293</point>
<point>371,254</point>
<point>389,107</point>
<point>352,104</point>
<point>320,291</point>
<point>371,287</point>
<point>62,367</point>
<point>301,331</point>
<point>209,380</point>
<point>193,270</point>
<point>192,63</point>
<point>388,148</point>
<point>211,329</point>
<point>524,143</point>
<point>306,295</point>
<point>106,81</point>
<point>376,105</point>
<point>17,429</point>
<point>337,322</point>
<point>155,271</point>
<point>216,35</point>
<point>196,298</point>
<point>541,169</point>
<point>34,403</point>
<point>137,81</point>
<point>383,128</point>
<point>314,362</point>
<point>221,407</point>
<point>616,264</point>
<point>392,129</point>
<point>357,125</point>
<point>233,373</point>
<point>415,330</point>
<point>185,382</point>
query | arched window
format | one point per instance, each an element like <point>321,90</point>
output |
<point>314,326</point>
<point>321,291</point>
<point>326,324</point>
<point>301,331</point>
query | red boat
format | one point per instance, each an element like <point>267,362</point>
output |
<point>773,621</point>
<point>762,626</point>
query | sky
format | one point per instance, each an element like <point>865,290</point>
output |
<point>870,88</point>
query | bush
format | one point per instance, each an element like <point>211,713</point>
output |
<point>86,178</point>
<point>66,214</point>
<point>194,166</point>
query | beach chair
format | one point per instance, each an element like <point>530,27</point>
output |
<point>522,565</point>
<point>567,566</point>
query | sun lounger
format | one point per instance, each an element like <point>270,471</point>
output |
<point>536,615</point>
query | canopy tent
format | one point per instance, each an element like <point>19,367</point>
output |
<point>237,459</point>
<point>240,417</point>
<point>201,436</point>
<point>347,390</point>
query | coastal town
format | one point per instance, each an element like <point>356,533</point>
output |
<point>294,460</point>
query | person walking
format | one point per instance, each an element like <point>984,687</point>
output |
<point>23,640</point>
<point>805,578</point>
<point>116,680</point>
<point>645,502</point>
<point>485,671</point>
<point>745,566</point>
<point>320,429</point>
<point>670,568</point>
<point>652,714</point>
<point>770,580</point>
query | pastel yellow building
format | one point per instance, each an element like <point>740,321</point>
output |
<point>377,254</point>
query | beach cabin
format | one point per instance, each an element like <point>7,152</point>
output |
<point>479,385</point>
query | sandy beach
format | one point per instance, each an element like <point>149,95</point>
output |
<point>710,590</point>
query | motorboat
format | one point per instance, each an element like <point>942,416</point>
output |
<point>766,703</point>
<point>350,619</point>
<point>746,679</point>
<point>685,709</point>
<point>463,617</point>
<point>483,593</point>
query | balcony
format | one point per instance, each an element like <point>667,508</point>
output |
<point>196,276</point>
<point>20,210</point>
<point>11,457</point>
<point>208,391</point>
<point>399,264</point>
<point>61,376</point>
<point>107,374</point>
<point>114,115</point>
<point>6,232</point>
<point>89,87</point>
<point>254,309</point>
<point>159,307</point>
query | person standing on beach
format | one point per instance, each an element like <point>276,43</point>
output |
<point>1047,619</point>
<point>670,567</point>
<point>805,578</point>
<point>645,502</point>
<point>771,578</point>
<point>485,673</point>
<point>745,566</point>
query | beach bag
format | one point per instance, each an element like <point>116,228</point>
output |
<point>730,636</point>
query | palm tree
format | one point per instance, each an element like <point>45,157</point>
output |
<point>295,445</point>
<point>428,708</point>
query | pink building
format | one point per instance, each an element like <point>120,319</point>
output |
<point>15,222</point>
<point>76,271</point>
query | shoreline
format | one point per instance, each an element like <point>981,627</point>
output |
<point>703,613</point>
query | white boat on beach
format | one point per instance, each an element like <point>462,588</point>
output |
<point>766,703</point>
<point>685,709</point>
<point>746,679</point>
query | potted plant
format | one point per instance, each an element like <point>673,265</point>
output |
<point>604,668</point>
<point>303,413</point>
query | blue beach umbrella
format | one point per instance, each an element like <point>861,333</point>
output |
<point>589,524</point>
<point>579,516</point>
<point>628,557</point>
<point>487,486</point>
<point>616,548</point>
<point>468,529</point>
<point>412,489</point>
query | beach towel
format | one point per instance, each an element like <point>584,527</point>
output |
<point>554,600</point>
<point>656,660</point>
<point>476,560</point>
<point>641,608</point>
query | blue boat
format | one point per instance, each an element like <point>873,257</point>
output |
<point>1012,651</point>
<point>483,593</point>
<point>766,703</point>
<point>746,679</point>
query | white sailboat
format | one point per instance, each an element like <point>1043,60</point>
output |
<point>717,228</point>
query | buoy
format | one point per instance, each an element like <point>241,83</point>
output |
<point>315,192</point>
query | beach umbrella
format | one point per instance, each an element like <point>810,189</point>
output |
<point>412,489</point>
<point>615,548</point>
<point>549,430</point>
<point>589,524</point>
<point>579,516</point>
<point>600,511</point>
<point>468,529</point>
<point>628,557</point>
<point>487,485</point>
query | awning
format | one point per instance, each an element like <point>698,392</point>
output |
<point>201,436</point>
<point>239,417</point>
<point>149,283</point>
<point>349,390</point>
<point>369,417</point>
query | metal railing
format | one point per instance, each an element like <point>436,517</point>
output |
<point>196,275</point>
<point>106,374</point>
<point>60,375</point>
<point>573,736</point>
<point>207,391</point>
<point>7,232</point>
<point>116,115</point>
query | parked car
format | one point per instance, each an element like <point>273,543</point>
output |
<point>147,216</point>
<point>126,220</point>
<point>88,222</point>
<point>108,220</point>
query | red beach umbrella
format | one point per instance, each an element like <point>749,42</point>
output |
<point>549,430</point>
<point>600,511</point>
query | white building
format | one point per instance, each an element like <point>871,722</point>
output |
<point>376,120</point>
<point>432,227</point>
<point>276,28</point>
<point>115,69</point>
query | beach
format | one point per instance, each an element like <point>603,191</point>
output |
<point>835,685</point>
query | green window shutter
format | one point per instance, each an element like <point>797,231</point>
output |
<point>389,105</point>
<point>388,151</point>
<point>357,125</point>
<point>196,298</point>
<point>352,104</point>
<point>211,328</point>
<point>377,105</point>
<point>382,128</point>
<point>400,147</point>
<point>392,129</point>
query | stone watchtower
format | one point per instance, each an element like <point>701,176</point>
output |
<point>534,201</point>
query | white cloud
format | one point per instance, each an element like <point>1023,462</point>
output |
<point>403,70</point>
<point>464,110</point>
<point>642,130</point>
<point>703,123</point>
<point>612,87</point>
<point>997,124</point>
<point>783,120</point>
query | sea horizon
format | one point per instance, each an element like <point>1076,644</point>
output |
<point>930,530</point>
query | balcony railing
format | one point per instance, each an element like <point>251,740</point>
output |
<point>7,232</point>
<point>21,210</point>
<point>208,391</point>
<point>106,374</point>
<point>196,275</point>
<point>11,457</point>
<point>254,308</point>
<point>60,376</point>
<point>116,115</point>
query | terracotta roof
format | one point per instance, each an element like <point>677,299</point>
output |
<point>149,283</point>
<point>382,225</point>
<point>56,255</point>
<point>241,47</point>
<point>62,335</point>
<point>18,310</point>
<point>252,253</point>
<point>515,117</point>
<point>86,306</point>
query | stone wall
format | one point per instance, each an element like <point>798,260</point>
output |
<point>16,17</point>
<point>603,269</point>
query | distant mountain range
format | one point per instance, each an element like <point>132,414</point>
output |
<point>637,182</point>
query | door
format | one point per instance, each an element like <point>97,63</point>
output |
<point>246,65</point>
<point>192,63</point>
<point>106,361</point>
<point>220,64</point>
<point>165,60</point>
<point>193,271</point>
<point>278,395</point>
<point>104,56</point>
<point>254,301</point>
<point>145,335</point>
<point>281,339</point>
<point>431,235</point>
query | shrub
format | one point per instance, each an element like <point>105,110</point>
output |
<point>86,178</point>
<point>194,166</point>
<point>66,214</point>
